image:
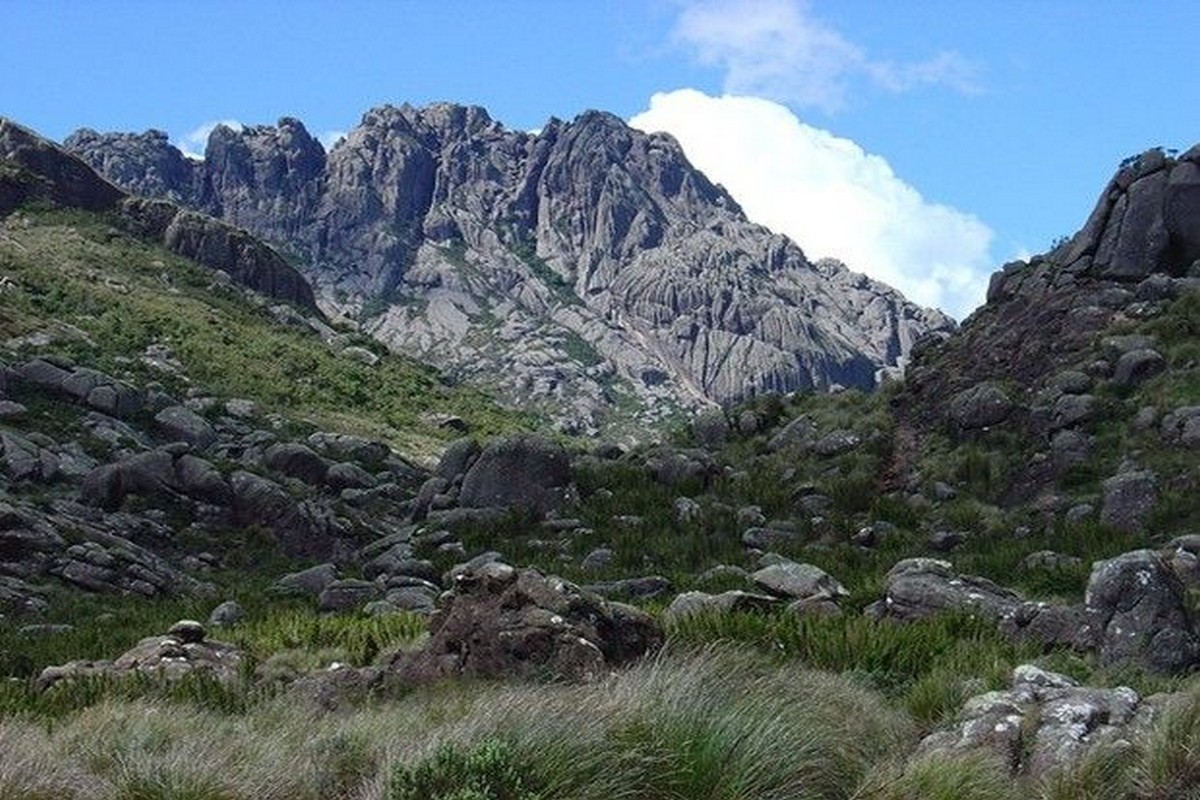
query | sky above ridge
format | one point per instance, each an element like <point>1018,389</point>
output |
<point>924,143</point>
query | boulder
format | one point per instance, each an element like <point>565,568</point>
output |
<point>345,447</point>
<point>1044,722</point>
<point>311,581</point>
<point>181,424</point>
<point>525,472</point>
<point>347,594</point>
<point>498,621</point>
<point>1138,366</point>
<point>226,615</point>
<point>645,588</point>
<point>799,581</point>
<point>1129,497</point>
<point>457,458</point>
<point>1139,614</point>
<point>980,406</point>
<point>170,656</point>
<point>348,475</point>
<point>921,587</point>
<point>296,461</point>
<point>692,603</point>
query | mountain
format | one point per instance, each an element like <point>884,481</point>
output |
<point>173,436</point>
<point>36,170</point>
<point>582,268</point>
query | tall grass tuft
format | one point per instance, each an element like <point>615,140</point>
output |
<point>968,776</point>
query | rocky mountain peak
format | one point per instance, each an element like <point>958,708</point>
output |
<point>33,168</point>
<point>568,268</point>
<point>1050,321</point>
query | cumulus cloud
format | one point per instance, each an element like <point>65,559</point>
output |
<point>831,197</point>
<point>192,144</point>
<point>779,49</point>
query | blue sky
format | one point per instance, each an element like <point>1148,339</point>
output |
<point>924,143</point>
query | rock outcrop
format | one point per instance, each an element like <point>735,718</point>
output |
<point>1046,722</point>
<point>33,168</point>
<point>499,621</point>
<point>183,650</point>
<point>548,265</point>
<point>1030,359</point>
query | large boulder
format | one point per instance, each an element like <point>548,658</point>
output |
<point>695,603</point>
<point>181,424</point>
<point>921,587</point>
<point>498,621</point>
<point>1139,613</point>
<point>799,581</point>
<point>296,461</point>
<point>525,471</point>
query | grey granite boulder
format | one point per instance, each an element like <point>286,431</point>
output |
<point>980,406</point>
<point>1140,613</point>
<point>1129,497</point>
<point>524,471</point>
<point>181,424</point>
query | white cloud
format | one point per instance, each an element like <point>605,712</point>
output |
<point>779,49</point>
<point>192,144</point>
<point>329,138</point>
<point>831,197</point>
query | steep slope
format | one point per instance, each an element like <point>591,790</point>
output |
<point>1086,356</point>
<point>33,169</point>
<point>577,266</point>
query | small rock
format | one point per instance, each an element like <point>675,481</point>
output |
<point>188,631</point>
<point>227,614</point>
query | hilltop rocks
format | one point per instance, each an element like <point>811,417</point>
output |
<point>53,174</point>
<point>56,176</point>
<point>1146,221</point>
<point>501,621</point>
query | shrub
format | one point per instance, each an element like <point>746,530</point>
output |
<point>486,771</point>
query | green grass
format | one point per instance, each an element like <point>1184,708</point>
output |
<point>124,294</point>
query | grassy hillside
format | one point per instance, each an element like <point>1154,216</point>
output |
<point>75,285</point>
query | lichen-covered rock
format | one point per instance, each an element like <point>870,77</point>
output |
<point>1044,722</point>
<point>921,587</point>
<point>171,656</point>
<point>1140,614</point>
<point>799,581</point>
<point>693,603</point>
<point>1129,497</point>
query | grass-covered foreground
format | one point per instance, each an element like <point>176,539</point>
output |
<point>714,723</point>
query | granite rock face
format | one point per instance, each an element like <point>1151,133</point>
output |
<point>558,267</point>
